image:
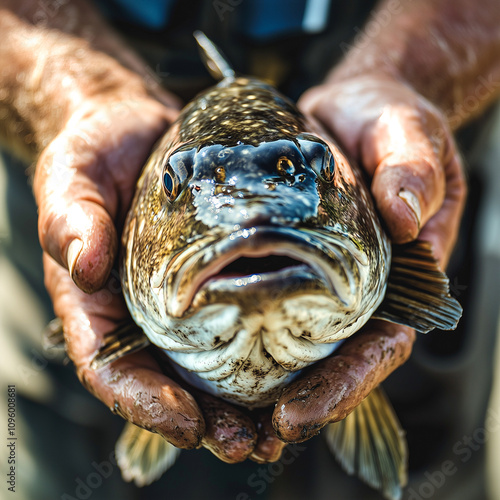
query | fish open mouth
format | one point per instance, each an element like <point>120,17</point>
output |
<point>252,266</point>
<point>244,267</point>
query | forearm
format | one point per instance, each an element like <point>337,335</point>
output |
<point>447,50</point>
<point>50,68</point>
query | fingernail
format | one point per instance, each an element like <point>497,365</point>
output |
<point>269,455</point>
<point>412,203</point>
<point>74,250</point>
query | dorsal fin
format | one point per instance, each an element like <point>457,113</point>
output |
<point>418,291</point>
<point>371,444</point>
<point>212,57</point>
<point>142,455</point>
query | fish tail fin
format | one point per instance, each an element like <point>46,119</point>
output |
<point>125,339</point>
<point>215,62</point>
<point>371,444</point>
<point>418,291</point>
<point>143,456</point>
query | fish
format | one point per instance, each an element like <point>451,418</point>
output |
<point>252,249</point>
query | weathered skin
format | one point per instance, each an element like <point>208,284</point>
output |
<point>250,181</point>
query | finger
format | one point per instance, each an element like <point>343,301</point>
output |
<point>269,447</point>
<point>74,224</point>
<point>344,110</point>
<point>230,434</point>
<point>408,176</point>
<point>133,386</point>
<point>330,390</point>
<point>84,182</point>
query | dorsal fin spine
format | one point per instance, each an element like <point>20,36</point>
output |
<point>216,64</point>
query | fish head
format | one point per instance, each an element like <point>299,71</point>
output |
<point>265,215</point>
<point>252,255</point>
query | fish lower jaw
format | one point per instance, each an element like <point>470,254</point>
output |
<point>261,292</point>
<point>254,382</point>
<point>247,357</point>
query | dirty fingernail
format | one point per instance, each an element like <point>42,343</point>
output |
<point>412,203</point>
<point>74,250</point>
<point>269,454</point>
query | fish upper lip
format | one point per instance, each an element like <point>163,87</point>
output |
<point>197,268</point>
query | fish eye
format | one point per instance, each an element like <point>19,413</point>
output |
<point>170,183</point>
<point>324,166</point>
<point>318,155</point>
<point>285,166</point>
<point>178,168</point>
<point>220,175</point>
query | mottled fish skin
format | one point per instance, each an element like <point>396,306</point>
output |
<point>240,110</point>
<point>252,177</point>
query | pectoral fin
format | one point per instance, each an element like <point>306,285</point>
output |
<point>53,336</point>
<point>53,341</point>
<point>143,456</point>
<point>371,444</point>
<point>418,291</point>
<point>125,339</point>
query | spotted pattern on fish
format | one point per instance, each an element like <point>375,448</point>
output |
<point>237,111</point>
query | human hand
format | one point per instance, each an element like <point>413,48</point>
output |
<point>406,147</point>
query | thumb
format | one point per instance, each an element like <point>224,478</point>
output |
<point>75,226</point>
<point>409,182</point>
<point>85,180</point>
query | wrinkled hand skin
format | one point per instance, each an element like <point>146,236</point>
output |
<point>85,180</point>
<point>134,386</point>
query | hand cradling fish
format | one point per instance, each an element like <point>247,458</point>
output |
<point>251,250</point>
